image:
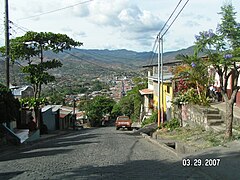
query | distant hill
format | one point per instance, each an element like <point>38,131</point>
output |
<point>120,57</point>
<point>91,63</point>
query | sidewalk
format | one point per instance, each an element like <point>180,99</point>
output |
<point>219,162</point>
<point>222,107</point>
<point>228,155</point>
<point>10,148</point>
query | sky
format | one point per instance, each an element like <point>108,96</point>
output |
<point>115,24</point>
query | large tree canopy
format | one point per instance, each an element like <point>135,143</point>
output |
<point>130,104</point>
<point>98,107</point>
<point>223,50</point>
<point>31,47</point>
<point>33,44</point>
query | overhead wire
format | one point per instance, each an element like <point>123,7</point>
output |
<point>165,24</point>
<point>169,18</point>
<point>89,61</point>
<point>152,55</point>
<point>175,18</point>
<point>19,27</point>
<point>53,11</point>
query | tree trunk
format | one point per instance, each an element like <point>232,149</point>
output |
<point>37,118</point>
<point>229,119</point>
<point>35,91</point>
<point>39,90</point>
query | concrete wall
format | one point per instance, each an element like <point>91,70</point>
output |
<point>236,120</point>
<point>192,115</point>
<point>49,119</point>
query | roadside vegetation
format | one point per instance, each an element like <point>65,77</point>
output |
<point>222,53</point>
<point>130,104</point>
<point>197,137</point>
<point>30,48</point>
<point>150,120</point>
<point>97,108</point>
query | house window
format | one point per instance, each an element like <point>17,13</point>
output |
<point>168,89</point>
<point>150,82</point>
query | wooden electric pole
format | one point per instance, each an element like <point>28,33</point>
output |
<point>7,44</point>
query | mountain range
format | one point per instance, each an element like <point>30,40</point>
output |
<point>126,58</point>
<point>91,63</point>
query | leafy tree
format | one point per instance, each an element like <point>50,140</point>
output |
<point>37,74</point>
<point>56,98</point>
<point>116,111</point>
<point>130,104</point>
<point>98,107</point>
<point>9,106</point>
<point>98,86</point>
<point>223,49</point>
<point>194,80</point>
<point>32,45</point>
<point>127,105</point>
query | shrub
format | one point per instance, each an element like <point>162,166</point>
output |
<point>191,96</point>
<point>172,124</point>
<point>151,119</point>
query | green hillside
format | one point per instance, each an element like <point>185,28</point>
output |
<point>82,64</point>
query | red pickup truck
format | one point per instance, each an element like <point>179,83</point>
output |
<point>123,122</point>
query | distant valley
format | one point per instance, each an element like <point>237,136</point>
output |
<point>82,65</point>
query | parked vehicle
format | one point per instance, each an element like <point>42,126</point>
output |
<point>123,122</point>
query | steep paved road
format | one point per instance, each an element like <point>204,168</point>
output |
<point>101,153</point>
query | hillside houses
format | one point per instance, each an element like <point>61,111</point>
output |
<point>152,97</point>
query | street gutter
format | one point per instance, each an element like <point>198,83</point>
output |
<point>161,145</point>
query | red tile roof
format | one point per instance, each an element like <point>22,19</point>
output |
<point>146,91</point>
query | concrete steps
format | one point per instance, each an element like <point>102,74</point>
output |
<point>218,128</point>
<point>215,122</point>
<point>214,117</point>
<point>23,134</point>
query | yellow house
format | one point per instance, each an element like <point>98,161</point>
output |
<point>167,96</point>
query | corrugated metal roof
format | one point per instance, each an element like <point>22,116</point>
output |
<point>18,91</point>
<point>166,77</point>
<point>56,107</point>
<point>45,108</point>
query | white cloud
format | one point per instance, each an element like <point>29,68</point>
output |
<point>192,23</point>
<point>67,29</point>
<point>130,24</point>
<point>103,13</point>
<point>127,19</point>
<point>79,34</point>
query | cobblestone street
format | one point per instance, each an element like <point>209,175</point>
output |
<point>101,153</point>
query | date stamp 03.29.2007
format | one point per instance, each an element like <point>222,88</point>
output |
<point>199,162</point>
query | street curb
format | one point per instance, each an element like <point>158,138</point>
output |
<point>161,145</point>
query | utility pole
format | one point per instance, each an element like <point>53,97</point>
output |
<point>159,107</point>
<point>123,93</point>
<point>74,113</point>
<point>162,108</point>
<point>7,44</point>
<point>160,81</point>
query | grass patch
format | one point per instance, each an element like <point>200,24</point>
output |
<point>197,136</point>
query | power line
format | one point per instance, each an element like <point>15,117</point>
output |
<point>19,27</point>
<point>89,61</point>
<point>175,18</point>
<point>165,24</point>
<point>151,56</point>
<point>154,54</point>
<point>169,17</point>
<point>56,10</point>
